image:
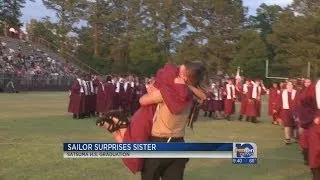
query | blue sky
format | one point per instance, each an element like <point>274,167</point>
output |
<point>36,10</point>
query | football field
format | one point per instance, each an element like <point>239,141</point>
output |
<point>34,125</point>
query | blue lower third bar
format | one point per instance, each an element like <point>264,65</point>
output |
<point>244,160</point>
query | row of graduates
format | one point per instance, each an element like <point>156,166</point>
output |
<point>92,95</point>
<point>221,99</point>
<point>298,109</point>
<point>295,106</point>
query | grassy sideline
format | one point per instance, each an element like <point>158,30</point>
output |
<point>33,127</point>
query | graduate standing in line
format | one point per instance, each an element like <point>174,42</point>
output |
<point>287,103</point>
<point>274,94</point>
<point>229,102</point>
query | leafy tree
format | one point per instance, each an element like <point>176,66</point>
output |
<point>266,16</point>
<point>145,53</point>
<point>216,26</point>
<point>68,13</point>
<point>10,12</point>
<point>295,40</point>
<point>43,29</point>
<point>98,13</point>
<point>306,7</point>
<point>166,19</point>
<point>251,53</point>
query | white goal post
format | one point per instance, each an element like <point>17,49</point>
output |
<point>285,78</point>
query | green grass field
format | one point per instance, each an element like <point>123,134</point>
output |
<point>33,127</point>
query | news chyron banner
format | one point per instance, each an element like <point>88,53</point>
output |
<point>239,152</point>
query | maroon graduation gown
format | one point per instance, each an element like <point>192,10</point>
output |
<point>251,106</point>
<point>139,91</point>
<point>87,97</point>
<point>314,146</point>
<point>210,98</point>
<point>287,115</point>
<point>116,99</point>
<point>219,104</point>
<point>100,101</point>
<point>273,98</point>
<point>84,97</point>
<point>206,103</point>
<point>306,113</point>
<point>218,100</point>
<point>258,101</point>
<point>310,112</point>
<point>123,99</point>
<point>244,102</point>
<point>75,99</point>
<point>129,93</point>
<point>95,84</point>
<point>176,97</point>
<point>109,94</point>
<point>229,104</point>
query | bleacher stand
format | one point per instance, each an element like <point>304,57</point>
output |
<point>27,68</point>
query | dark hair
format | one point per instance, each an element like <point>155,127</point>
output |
<point>195,72</point>
<point>109,78</point>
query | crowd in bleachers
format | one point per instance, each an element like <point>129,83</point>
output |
<point>32,65</point>
<point>36,62</point>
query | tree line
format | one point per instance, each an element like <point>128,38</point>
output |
<point>139,36</point>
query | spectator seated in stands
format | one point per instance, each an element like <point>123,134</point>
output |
<point>29,63</point>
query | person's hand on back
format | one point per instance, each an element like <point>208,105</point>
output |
<point>151,88</point>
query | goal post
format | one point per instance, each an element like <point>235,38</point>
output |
<point>272,77</point>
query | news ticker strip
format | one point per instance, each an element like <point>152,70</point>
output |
<point>240,152</point>
<point>146,154</point>
<point>148,146</point>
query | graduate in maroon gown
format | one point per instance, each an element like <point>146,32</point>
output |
<point>314,137</point>
<point>100,99</point>
<point>218,100</point>
<point>229,102</point>
<point>116,100</point>
<point>305,109</point>
<point>95,84</point>
<point>253,106</point>
<point>274,94</point>
<point>310,101</point>
<point>260,90</point>
<point>251,110</point>
<point>84,97</point>
<point>120,89</point>
<point>130,92</point>
<point>89,97</point>
<point>244,100</point>
<point>212,105</point>
<point>140,90</point>
<point>288,102</point>
<point>205,105</point>
<point>109,94</point>
<point>208,104</point>
<point>75,99</point>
